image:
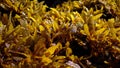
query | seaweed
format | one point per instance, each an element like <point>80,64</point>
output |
<point>69,34</point>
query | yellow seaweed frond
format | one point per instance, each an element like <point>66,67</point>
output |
<point>86,29</point>
<point>1,40</point>
<point>100,31</point>
<point>68,52</point>
<point>112,29</point>
<point>55,26</point>
<point>46,60</point>
<point>50,51</point>
<point>41,28</point>
<point>97,16</point>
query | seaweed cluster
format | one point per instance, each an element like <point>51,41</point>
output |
<point>74,34</point>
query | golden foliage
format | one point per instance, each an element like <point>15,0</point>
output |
<point>33,37</point>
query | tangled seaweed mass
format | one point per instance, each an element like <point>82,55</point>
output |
<point>73,34</point>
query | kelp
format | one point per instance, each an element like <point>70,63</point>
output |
<point>74,34</point>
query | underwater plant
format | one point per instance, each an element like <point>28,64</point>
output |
<point>73,34</point>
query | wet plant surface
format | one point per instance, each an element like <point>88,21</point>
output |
<point>66,34</point>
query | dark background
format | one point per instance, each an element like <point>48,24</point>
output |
<point>53,3</point>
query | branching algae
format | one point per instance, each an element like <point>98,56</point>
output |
<point>74,34</point>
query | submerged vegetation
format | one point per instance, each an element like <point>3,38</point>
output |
<point>74,34</point>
